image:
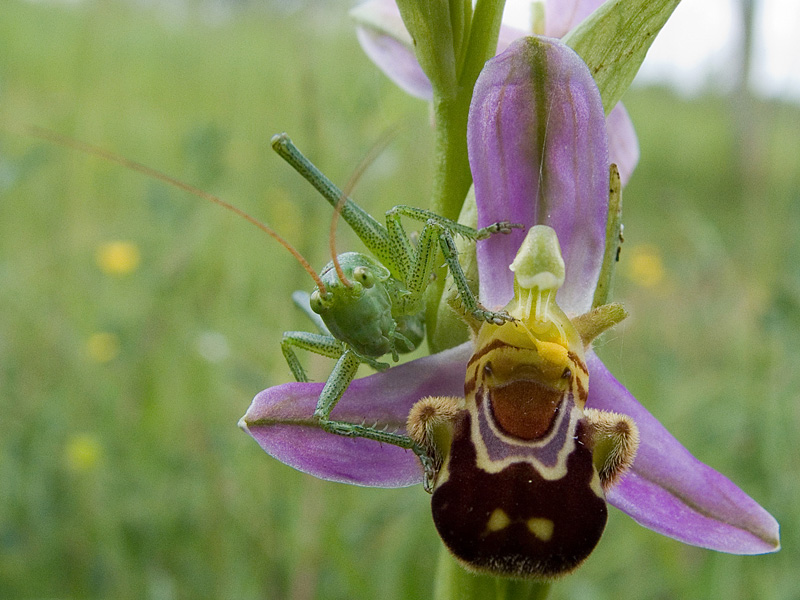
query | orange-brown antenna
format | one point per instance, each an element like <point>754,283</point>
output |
<point>368,159</point>
<point>53,137</point>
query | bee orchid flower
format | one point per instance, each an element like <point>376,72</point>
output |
<point>538,151</point>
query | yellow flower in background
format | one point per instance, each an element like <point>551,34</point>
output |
<point>645,267</point>
<point>118,258</point>
<point>102,347</point>
<point>83,453</point>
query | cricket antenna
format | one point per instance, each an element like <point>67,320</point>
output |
<point>373,153</point>
<point>55,138</point>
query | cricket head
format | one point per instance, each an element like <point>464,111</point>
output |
<point>356,308</point>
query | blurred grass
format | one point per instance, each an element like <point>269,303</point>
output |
<point>123,473</point>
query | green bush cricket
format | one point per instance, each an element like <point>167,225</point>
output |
<point>364,307</point>
<point>371,307</point>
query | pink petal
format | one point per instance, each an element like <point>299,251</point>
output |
<point>279,419</point>
<point>673,493</point>
<point>623,145</point>
<point>562,15</point>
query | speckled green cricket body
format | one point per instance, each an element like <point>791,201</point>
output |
<point>365,314</point>
<point>366,308</point>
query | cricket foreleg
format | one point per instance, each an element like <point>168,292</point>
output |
<point>471,305</point>
<point>454,227</point>
<point>339,380</point>
<point>326,345</point>
<point>405,255</point>
<point>423,258</point>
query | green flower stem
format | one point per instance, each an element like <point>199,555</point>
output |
<point>453,582</point>
<point>451,110</point>
<point>452,181</point>
<point>453,177</point>
<point>430,24</point>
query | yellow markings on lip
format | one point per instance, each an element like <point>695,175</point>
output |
<point>541,528</point>
<point>597,486</point>
<point>498,520</point>
<point>553,353</point>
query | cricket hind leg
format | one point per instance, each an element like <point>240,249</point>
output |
<point>419,262</point>
<point>339,380</point>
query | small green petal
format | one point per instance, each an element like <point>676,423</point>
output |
<point>430,25</point>
<point>614,40</point>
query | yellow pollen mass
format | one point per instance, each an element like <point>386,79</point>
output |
<point>118,258</point>
<point>555,354</point>
<point>497,520</point>
<point>541,528</point>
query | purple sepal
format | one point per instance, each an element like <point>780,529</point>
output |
<point>538,151</point>
<point>383,37</point>
<point>560,16</point>
<point>385,41</point>
<point>623,144</point>
<point>279,419</point>
<point>671,492</point>
<point>396,60</point>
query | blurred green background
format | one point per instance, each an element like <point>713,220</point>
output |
<point>136,322</point>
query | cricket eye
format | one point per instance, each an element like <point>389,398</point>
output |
<point>318,303</point>
<point>364,276</point>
